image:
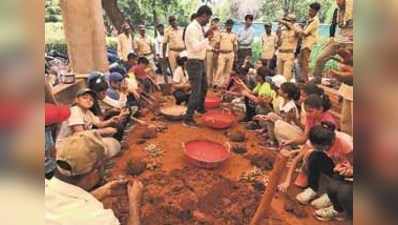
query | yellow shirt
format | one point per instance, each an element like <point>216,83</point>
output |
<point>173,37</point>
<point>311,33</point>
<point>143,45</point>
<point>227,41</point>
<point>268,44</point>
<point>124,46</point>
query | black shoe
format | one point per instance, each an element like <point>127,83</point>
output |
<point>202,111</point>
<point>245,120</point>
<point>190,123</point>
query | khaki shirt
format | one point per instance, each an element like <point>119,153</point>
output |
<point>195,41</point>
<point>289,39</point>
<point>216,38</point>
<point>143,45</point>
<point>268,45</point>
<point>124,46</point>
<point>173,37</point>
<point>311,33</point>
<point>228,41</point>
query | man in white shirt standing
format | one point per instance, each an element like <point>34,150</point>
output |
<point>197,44</point>
<point>245,38</point>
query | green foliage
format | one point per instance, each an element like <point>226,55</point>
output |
<point>142,11</point>
<point>53,12</point>
<point>55,38</point>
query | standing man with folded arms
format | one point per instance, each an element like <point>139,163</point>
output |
<point>197,44</point>
<point>174,42</point>
<point>245,38</point>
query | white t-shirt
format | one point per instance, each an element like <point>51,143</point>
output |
<point>67,204</point>
<point>77,117</point>
<point>289,106</point>
<point>179,77</point>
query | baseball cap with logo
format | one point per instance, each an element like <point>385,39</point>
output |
<point>81,151</point>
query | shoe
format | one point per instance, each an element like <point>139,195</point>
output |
<point>328,214</point>
<point>321,202</point>
<point>201,111</point>
<point>245,120</point>
<point>190,123</point>
<point>306,196</point>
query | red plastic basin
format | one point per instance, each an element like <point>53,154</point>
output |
<point>205,153</point>
<point>218,119</point>
<point>212,102</point>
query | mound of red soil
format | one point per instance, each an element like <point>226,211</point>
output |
<point>149,133</point>
<point>262,161</point>
<point>195,196</point>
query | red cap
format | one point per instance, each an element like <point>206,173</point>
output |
<point>56,113</point>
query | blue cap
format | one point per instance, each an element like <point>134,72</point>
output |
<point>115,77</point>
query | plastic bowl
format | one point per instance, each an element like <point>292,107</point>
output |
<point>174,112</point>
<point>212,102</point>
<point>205,153</point>
<point>218,119</point>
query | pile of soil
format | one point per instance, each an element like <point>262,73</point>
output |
<point>149,133</point>
<point>295,208</point>
<point>239,148</point>
<point>262,161</point>
<point>236,136</point>
<point>196,196</point>
<point>135,167</point>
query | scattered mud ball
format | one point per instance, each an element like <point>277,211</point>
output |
<point>149,133</point>
<point>258,186</point>
<point>239,148</point>
<point>141,141</point>
<point>262,161</point>
<point>252,126</point>
<point>135,167</point>
<point>236,136</point>
<point>295,208</point>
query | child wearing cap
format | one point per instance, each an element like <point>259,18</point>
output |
<point>83,119</point>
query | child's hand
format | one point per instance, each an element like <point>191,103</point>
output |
<point>261,117</point>
<point>283,187</point>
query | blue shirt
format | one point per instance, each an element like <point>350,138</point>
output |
<point>112,93</point>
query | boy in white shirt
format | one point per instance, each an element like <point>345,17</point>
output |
<point>181,82</point>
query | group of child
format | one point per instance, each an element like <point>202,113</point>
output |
<point>285,114</point>
<point>297,116</point>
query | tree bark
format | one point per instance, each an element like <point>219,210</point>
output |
<point>85,35</point>
<point>114,13</point>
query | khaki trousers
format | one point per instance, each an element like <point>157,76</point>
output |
<point>285,65</point>
<point>304,61</point>
<point>211,67</point>
<point>346,122</point>
<point>173,60</point>
<point>224,70</point>
<point>285,131</point>
<point>326,54</point>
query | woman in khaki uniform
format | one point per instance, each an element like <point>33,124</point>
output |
<point>288,41</point>
<point>228,43</point>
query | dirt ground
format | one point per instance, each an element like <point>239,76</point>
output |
<point>176,193</point>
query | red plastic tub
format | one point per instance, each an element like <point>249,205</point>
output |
<point>212,102</point>
<point>218,119</point>
<point>205,153</point>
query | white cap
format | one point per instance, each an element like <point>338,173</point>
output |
<point>278,80</point>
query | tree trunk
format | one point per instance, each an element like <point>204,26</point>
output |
<point>286,7</point>
<point>114,13</point>
<point>155,17</point>
<point>85,35</point>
